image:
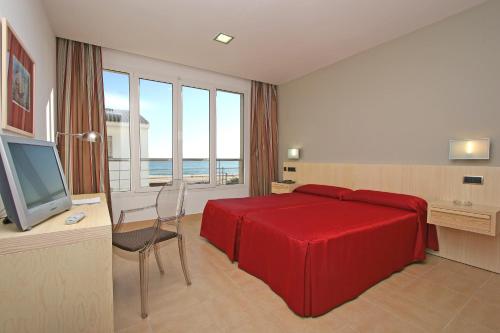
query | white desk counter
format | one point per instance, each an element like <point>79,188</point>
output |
<point>57,277</point>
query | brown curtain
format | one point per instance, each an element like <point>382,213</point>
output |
<point>80,109</point>
<point>263,138</point>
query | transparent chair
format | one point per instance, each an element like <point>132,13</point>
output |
<point>169,209</point>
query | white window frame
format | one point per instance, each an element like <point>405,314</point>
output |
<point>176,172</point>
<point>121,71</point>
<point>242,133</point>
<point>177,83</point>
<point>199,85</point>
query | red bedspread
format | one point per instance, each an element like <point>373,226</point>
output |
<point>426,233</point>
<point>221,220</point>
<point>320,256</point>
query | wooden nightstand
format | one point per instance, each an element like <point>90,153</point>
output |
<point>476,218</point>
<point>279,188</point>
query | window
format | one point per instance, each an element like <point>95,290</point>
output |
<point>229,138</point>
<point>162,128</point>
<point>117,105</point>
<point>155,131</point>
<point>196,135</point>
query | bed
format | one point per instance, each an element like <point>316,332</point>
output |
<point>319,256</point>
<point>222,218</point>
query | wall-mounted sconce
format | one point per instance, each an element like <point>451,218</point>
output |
<point>477,149</point>
<point>293,153</point>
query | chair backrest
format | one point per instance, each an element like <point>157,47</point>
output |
<point>170,199</point>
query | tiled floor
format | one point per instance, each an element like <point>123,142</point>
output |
<point>436,296</point>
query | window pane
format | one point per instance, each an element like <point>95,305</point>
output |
<point>196,135</point>
<point>229,138</point>
<point>116,102</point>
<point>155,105</point>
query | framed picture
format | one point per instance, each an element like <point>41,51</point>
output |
<point>18,79</point>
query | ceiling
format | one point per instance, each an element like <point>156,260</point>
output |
<point>275,40</point>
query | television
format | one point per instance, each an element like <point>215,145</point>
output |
<point>32,182</point>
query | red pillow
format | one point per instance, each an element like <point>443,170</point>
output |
<point>396,200</point>
<point>323,190</point>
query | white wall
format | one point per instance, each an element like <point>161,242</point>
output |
<point>29,21</point>
<point>401,102</point>
<point>196,197</point>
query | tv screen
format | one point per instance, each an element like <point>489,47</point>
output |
<point>32,183</point>
<point>38,173</point>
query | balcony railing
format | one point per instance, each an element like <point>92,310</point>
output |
<point>119,174</point>
<point>158,171</point>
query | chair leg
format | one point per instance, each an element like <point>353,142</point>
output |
<point>158,258</point>
<point>144,278</point>
<point>182,253</point>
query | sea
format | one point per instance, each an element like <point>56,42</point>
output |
<point>193,167</point>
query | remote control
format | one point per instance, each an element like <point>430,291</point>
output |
<point>75,218</point>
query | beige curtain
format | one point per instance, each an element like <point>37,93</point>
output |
<point>80,109</point>
<point>263,138</point>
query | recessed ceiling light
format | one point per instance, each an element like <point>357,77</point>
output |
<point>223,38</point>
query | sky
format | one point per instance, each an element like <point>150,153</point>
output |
<point>155,103</point>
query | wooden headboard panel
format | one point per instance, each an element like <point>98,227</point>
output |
<point>430,182</point>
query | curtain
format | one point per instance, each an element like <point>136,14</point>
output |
<point>80,109</point>
<point>263,138</point>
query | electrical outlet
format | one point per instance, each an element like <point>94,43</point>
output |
<point>474,180</point>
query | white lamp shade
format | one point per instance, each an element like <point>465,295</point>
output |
<point>476,149</point>
<point>293,153</point>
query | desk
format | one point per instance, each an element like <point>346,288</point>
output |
<point>58,277</point>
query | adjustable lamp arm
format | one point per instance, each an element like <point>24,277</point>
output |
<point>91,136</point>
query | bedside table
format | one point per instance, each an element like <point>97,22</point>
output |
<point>476,218</point>
<point>280,188</point>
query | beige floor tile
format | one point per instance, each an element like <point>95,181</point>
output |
<point>344,329</point>
<point>365,316</point>
<point>396,281</point>
<point>459,277</point>
<point>246,328</point>
<point>212,286</point>
<point>192,319</point>
<point>140,327</point>
<point>264,299</point>
<point>490,290</point>
<point>129,320</point>
<point>420,268</point>
<point>460,325</point>
<point>229,312</point>
<point>241,278</point>
<point>287,321</point>
<point>481,313</point>
<point>445,301</point>
<point>177,299</point>
<point>262,326</point>
<point>409,310</point>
